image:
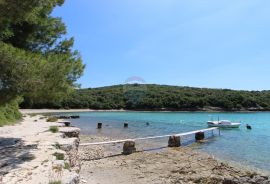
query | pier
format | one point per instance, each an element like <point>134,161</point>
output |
<point>174,139</point>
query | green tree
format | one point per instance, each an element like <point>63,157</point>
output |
<point>37,61</point>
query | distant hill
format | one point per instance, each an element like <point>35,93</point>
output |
<point>163,97</point>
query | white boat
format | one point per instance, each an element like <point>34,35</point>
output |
<point>223,124</point>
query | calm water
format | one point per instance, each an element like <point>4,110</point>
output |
<point>247,147</point>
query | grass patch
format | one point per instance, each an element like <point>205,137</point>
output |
<point>52,119</point>
<point>67,166</point>
<point>55,182</point>
<point>9,112</point>
<point>59,156</point>
<point>54,129</point>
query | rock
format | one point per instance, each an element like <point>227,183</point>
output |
<point>83,181</point>
<point>70,131</point>
<point>66,123</point>
<point>69,144</point>
<point>199,136</point>
<point>70,178</point>
<point>174,141</point>
<point>58,164</point>
<point>129,147</point>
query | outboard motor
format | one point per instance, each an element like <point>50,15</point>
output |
<point>248,127</point>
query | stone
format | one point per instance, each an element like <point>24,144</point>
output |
<point>174,141</point>
<point>129,147</point>
<point>71,178</point>
<point>67,123</point>
<point>125,125</point>
<point>70,131</point>
<point>70,144</point>
<point>199,136</point>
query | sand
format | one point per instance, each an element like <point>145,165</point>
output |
<point>26,152</point>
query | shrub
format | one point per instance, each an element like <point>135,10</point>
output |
<point>54,129</point>
<point>9,112</point>
<point>52,119</point>
<point>55,182</point>
<point>59,156</point>
<point>67,166</point>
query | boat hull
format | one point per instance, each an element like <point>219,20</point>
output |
<point>225,126</point>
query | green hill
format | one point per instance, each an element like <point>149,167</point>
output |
<point>164,97</point>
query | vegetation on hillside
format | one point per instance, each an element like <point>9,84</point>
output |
<point>162,97</point>
<point>36,59</point>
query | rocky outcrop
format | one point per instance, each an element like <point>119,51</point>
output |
<point>70,146</point>
<point>70,131</point>
<point>174,141</point>
<point>129,147</point>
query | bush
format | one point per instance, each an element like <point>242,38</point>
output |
<point>55,182</point>
<point>52,119</point>
<point>54,129</point>
<point>67,166</point>
<point>9,112</point>
<point>59,156</point>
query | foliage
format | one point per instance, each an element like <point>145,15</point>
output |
<point>54,129</point>
<point>55,182</point>
<point>162,97</point>
<point>36,77</point>
<point>67,166</point>
<point>59,156</point>
<point>52,119</point>
<point>37,61</point>
<point>9,112</point>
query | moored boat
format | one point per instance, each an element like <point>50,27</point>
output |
<point>223,124</point>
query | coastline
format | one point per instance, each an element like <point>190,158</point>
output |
<point>46,111</point>
<point>106,164</point>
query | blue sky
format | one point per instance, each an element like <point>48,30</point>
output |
<point>199,43</point>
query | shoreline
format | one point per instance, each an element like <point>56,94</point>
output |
<point>142,146</point>
<point>47,111</point>
<point>107,165</point>
<point>164,165</point>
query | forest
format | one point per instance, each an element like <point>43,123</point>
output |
<point>162,97</point>
<point>37,60</point>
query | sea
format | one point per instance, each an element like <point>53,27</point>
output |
<point>247,148</point>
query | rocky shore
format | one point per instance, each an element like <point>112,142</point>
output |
<point>32,154</point>
<point>106,165</point>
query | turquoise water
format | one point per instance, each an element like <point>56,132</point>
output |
<point>247,147</point>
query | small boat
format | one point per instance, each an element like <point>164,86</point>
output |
<point>223,124</point>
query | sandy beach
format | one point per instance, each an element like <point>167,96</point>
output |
<point>27,153</point>
<point>27,150</point>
